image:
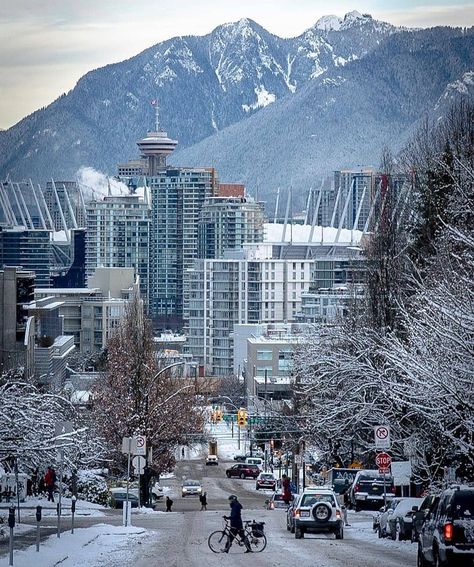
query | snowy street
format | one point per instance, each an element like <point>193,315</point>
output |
<point>180,538</point>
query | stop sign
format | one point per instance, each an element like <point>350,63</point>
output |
<point>383,460</point>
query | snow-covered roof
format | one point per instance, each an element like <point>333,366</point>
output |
<point>300,233</point>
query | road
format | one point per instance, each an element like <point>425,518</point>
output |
<point>180,538</point>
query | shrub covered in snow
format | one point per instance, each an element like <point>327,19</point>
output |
<point>91,486</point>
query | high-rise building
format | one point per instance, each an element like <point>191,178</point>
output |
<point>177,196</point>
<point>29,248</point>
<point>118,232</point>
<point>228,223</point>
<point>16,292</point>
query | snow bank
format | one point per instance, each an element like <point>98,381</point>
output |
<point>95,546</point>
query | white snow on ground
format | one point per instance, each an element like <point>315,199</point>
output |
<point>92,547</point>
<point>28,508</point>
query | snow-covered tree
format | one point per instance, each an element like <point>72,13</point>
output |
<point>136,396</point>
<point>410,363</point>
<point>28,417</point>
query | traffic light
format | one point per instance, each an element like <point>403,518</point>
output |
<point>218,415</point>
<point>242,417</point>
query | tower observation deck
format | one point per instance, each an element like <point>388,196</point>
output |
<point>156,146</point>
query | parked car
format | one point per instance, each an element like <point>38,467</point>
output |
<point>317,510</point>
<point>447,534</point>
<point>290,514</point>
<point>276,502</point>
<point>419,516</point>
<point>367,490</point>
<point>384,514</point>
<point>117,497</point>
<point>399,519</point>
<point>266,480</point>
<point>191,488</point>
<point>242,470</point>
<point>212,460</point>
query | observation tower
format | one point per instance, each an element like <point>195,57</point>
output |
<point>156,146</point>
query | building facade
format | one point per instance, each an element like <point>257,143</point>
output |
<point>118,232</point>
<point>228,223</point>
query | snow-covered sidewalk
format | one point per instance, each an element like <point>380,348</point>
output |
<point>92,547</point>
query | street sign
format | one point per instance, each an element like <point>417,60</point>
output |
<point>382,436</point>
<point>139,464</point>
<point>127,445</point>
<point>383,461</point>
<point>139,445</point>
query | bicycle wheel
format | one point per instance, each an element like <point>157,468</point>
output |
<point>258,541</point>
<point>217,540</point>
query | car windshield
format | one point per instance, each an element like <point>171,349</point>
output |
<point>278,497</point>
<point>267,476</point>
<point>463,505</point>
<point>310,499</point>
<point>191,483</point>
<point>406,505</point>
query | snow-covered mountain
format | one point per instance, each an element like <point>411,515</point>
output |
<point>218,87</point>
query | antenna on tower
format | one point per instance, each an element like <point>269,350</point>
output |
<point>154,103</point>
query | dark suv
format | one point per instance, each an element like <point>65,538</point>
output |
<point>370,490</point>
<point>447,535</point>
<point>243,470</point>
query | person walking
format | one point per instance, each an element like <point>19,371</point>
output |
<point>203,500</point>
<point>169,503</point>
<point>236,525</point>
<point>34,481</point>
<point>285,489</point>
<point>49,482</point>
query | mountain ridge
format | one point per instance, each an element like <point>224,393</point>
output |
<point>206,85</point>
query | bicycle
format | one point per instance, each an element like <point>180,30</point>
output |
<point>253,532</point>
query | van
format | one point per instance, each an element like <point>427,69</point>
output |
<point>254,461</point>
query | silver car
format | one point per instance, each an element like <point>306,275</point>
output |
<point>191,488</point>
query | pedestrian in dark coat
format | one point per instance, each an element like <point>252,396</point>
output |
<point>236,525</point>
<point>169,503</point>
<point>203,500</point>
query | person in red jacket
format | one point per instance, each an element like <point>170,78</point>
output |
<point>49,482</point>
<point>285,489</point>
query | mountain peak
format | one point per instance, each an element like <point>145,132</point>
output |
<point>355,17</point>
<point>327,23</point>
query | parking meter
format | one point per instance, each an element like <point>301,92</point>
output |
<point>38,520</point>
<point>11,517</point>
<point>73,510</point>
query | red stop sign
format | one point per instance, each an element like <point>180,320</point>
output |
<point>383,460</point>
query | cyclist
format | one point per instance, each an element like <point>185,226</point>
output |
<point>236,525</point>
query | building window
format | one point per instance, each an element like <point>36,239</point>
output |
<point>285,360</point>
<point>264,354</point>
<point>260,371</point>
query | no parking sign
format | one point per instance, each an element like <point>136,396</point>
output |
<point>382,436</point>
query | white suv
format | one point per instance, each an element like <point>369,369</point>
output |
<point>317,510</point>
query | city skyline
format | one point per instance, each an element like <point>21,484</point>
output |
<point>48,47</point>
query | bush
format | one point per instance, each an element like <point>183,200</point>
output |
<point>92,487</point>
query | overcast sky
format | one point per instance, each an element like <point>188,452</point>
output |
<point>47,45</point>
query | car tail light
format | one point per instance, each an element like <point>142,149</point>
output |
<point>338,514</point>
<point>448,532</point>
<point>297,513</point>
<point>272,505</point>
<point>357,488</point>
<point>393,489</point>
